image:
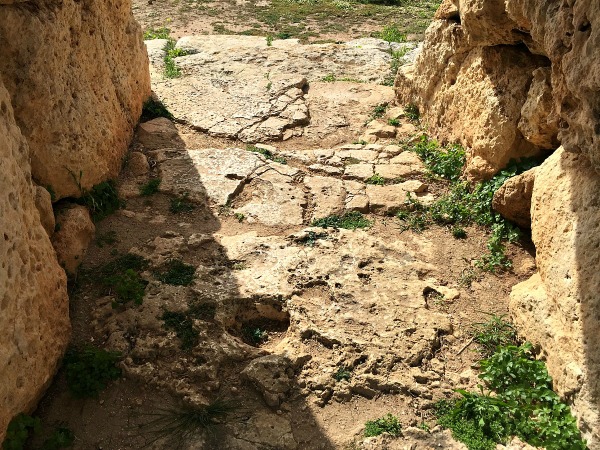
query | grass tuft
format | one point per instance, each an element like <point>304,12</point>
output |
<point>88,371</point>
<point>150,188</point>
<point>386,424</point>
<point>177,273</point>
<point>350,221</point>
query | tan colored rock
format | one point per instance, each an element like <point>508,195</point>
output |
<point>75,231</point>
<point>513,199</point>
<point>539,121</point>
<point>34,307</point>
<point>77,74</point>
<point>158,133</point>
<point>380,129</point>
<point>558,308</point>
<point>328,195</point>
<point>43,203</point>
<point>392,198</point>
<point>358,171</point>
<point>478,100</point>
<point>272,375</point>
<point>137,164</point>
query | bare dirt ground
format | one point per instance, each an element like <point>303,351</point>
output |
<point>393,307</point>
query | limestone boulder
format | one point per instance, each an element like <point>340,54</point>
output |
<point>77,74</point>
<point>75,231</point>
<point>272,375</point>
<point>539,121</point>
<point>158,133</point>
<point>513,199</point>
<point>43,203</point>
<point>558,308</point>
<point>34,307</point>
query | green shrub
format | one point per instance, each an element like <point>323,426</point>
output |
<point>393,122</point>
<point>521,403</point>
<point>254,335</point>
<point>350,220</point>
<point>89,371</point>
<point>386,424</point>
<point>151,187</point>
<point>102,200</point>
<point>20,428</point>
<point>128,286</point>
<point>459,233</point>
<point>446,162</point>
<point>177,273</point>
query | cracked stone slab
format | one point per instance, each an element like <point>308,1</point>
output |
<point>238,87</point>
<point>272,199</point>
<point>328,195</point>
<point>207,174</point>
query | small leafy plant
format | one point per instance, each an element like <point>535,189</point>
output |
<point>375,179</point>
<point>350,221</point>
<point>459,233</point>
<point>122,277</point>
<point>496,332</point>
<point>311,238</point>
<point>267,154</point>
<point>177,273</point>
<point>156,33</point>
<point>378,111</point>
<point>386,424</point>
<point>391,33</point>
<point>393,122</point>
<point>102,200</point>
<point>19,430</point>
<point>150,188</point>
<point>183,325</point>
<point>520,403</point>
<point>411,111</point>
<point>172,52</point>
<point>254,335</point>
<point>446,162</point>
<point>181,204</point>
<point>269,40</point>
<point>88,371</point>
<point>343,373</point>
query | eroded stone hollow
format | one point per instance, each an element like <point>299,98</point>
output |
<point>263,220</point>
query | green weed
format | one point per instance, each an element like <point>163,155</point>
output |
<point>266,153</point>
<point>181,204</point>
<point>240,217</point>
<point>62,437</point>
<point>156,33</point>
<point>494,333</point>
<point>350,220</point>
<point>122,277</point>
<point>378,111</point>
<point>183,325</point>
<point>411,111</point>
<point>393,122</point>
<point>459,233</point>
<point>343,373</point>
<point>269,40</point>
<point>395,63</point>
<point>375,179</point>
<point>102,200</point>
<point>177,273</point>
<point>171,52</point>
<point>446,162</point>
<point>254,335</point>
<point>391,33</point>
<point>311,238</point>
<point>150,188</point>
<point>19,430</point>
<point>89,371</point>
<point>520,403</point>
<point>386,424</point>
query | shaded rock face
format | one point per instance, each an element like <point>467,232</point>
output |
<point>34,308</point>
<point>546,93</point>
<point>558,308</point>
<point>77,76</point>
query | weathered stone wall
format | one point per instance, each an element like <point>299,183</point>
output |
<point>73,78</point>
<point>77,75</point>
<point>511,78</point>
<point>34,307</point>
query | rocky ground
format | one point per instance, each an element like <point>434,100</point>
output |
<point>309,331</point>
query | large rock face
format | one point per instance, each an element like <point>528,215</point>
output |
<point>77,75</point>
<point>509,79</point>
<point>34,308</point>
<point>559,308</point>
<point>505,80</point>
